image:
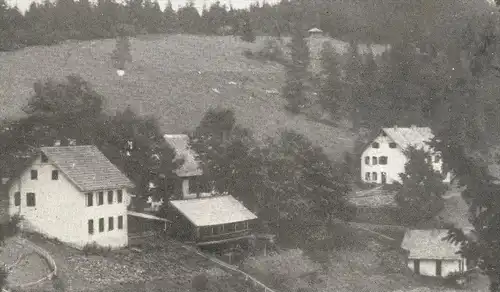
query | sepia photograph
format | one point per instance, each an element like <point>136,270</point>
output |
<point>249,146</point>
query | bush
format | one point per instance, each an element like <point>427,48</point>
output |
<point>95,249</point>
<point>10,228</point>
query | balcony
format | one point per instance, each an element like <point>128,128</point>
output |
<point>222,234</point>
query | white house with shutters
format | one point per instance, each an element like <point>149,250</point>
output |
<point>429,255</point>
<point>74,194</point>
<point>384,158</point>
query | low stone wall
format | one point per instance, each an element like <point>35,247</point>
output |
<point>44,254</point>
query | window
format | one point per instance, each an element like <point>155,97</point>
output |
<point>110,197</point>
<point>383,160</point>
<point>91,226</point>
<point>367,176</point>
<point>17,198</point>
<point>120,222</point>
<point>216,230</point>
<point>111,223</point>
<point>34,174</point>
<point>101,198</point>
<point>119,195</point>
<point>374,160</point>
<point>230,228</point>
<point>90,199</point>
<point>30,199</point>
<point>437,158</point>
<point>44,158</point>
<point>367,160</point>
<point>101,224</point>
<point>375,145</point>
<point>392,145</point>
<point>55,175</point>
<point>374,176</point>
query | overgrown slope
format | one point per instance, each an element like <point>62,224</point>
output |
<point>175,78</point>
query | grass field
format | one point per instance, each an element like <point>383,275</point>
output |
<point>175,78</point>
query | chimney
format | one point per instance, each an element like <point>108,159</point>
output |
<point>57,143</point>
<point>413,127</point>
<point>395,127</point>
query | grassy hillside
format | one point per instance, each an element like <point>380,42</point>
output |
<point>175,78</point>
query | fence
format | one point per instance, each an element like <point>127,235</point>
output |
<point>44,254</point>
<point>248,278</point>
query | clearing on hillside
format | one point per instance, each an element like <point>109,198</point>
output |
<point>175,78</point>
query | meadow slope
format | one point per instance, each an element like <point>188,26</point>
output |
<point>175,78</point>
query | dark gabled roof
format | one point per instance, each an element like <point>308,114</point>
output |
<point>87,167</point>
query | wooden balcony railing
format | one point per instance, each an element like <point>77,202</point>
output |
<point>224,236</point>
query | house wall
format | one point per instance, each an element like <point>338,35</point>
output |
<point>396,160</point>
<point>57,202</point>
<point>115,238</point>
<point>428,267</point>
<point>60,210</point>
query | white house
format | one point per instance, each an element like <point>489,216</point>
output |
<point>315,32</point>
<point>74,194</point>
<point>430,255</point>
<point>383,159</point>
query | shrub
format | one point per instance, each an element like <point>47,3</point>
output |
<point>95,249</point>
<point>10,228</point>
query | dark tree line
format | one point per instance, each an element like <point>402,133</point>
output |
<point>49,23</point>
<point>378,21</point>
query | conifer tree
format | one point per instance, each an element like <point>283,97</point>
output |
<point>247,33</point>
<point>331,91</point>
<point>297,70</point>
<point>121,53</point>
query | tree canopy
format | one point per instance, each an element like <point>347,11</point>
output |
<point>72,110</point>
<point>420,195</point>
